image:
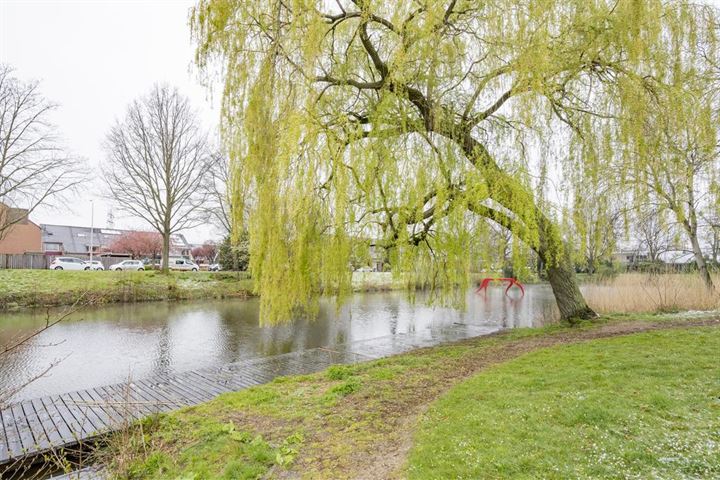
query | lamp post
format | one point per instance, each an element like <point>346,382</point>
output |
<point>92,225</point>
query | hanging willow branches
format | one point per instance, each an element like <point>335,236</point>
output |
<point>413,124</point>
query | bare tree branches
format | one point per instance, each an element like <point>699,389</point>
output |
<point>156,160</point>
<point>217,184</point>
<point>33,166</point>
<point>13,345</point>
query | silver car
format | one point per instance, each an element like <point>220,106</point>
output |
<point>94,265</point>
<point>128,265</point>
<point>67,263</point>
<point>182,264</point>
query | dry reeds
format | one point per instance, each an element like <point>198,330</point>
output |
<point>651,293</point>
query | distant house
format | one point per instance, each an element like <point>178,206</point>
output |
<point>629,256</point>
<point>72,240</point>
<point>678,259</point>
<point>378,256</point>
<point>23,236</point>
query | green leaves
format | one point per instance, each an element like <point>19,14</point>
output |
<point>411,126</point>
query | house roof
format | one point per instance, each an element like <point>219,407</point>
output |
<point>76,239</point>
<point>15,215</point>
<point>678,257</point>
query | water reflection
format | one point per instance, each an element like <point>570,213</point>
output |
<point>111,344</point>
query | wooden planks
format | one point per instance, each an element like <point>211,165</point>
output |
<point>36,426</point>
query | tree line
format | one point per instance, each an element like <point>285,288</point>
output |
<point>160,165</point>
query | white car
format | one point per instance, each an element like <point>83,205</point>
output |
<point>94,265</point>
<point>128,265</point>
<point>67,263</point>
<point>215,267</point>
<point>183,264</point>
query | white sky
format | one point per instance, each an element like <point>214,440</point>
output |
<point>93,57</point>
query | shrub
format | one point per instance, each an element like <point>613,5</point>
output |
<point>234,257</point>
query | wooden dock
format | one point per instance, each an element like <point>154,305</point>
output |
<point>33,428</point>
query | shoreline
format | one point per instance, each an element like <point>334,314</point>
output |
<point>26,290</point>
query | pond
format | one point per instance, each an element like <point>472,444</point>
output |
<point>105,345</point>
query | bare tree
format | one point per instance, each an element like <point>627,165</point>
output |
<point>653,232</point>
<point>33,166</point>
<point>9,348</point>
<point>228,199</point>
<point>217,184</point>
<point>157,158</point>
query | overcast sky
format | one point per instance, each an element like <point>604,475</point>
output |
<point>93,57</point>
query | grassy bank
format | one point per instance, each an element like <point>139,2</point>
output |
<point>626,293</point>
<point>641,406</point>
<point>45,288</point>
<point>647,387</point>
<point>38,288</point>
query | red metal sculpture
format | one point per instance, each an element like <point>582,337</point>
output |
<point>511,281</point>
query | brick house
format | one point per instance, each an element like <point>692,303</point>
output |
<point>23,236</point>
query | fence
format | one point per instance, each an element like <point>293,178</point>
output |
<point>41,261</point>
<point>24,260</point>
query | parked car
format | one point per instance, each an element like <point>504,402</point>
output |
<point>94,265</point>
<point>67,263</point>
<point>183,264</point>
<point>128,265</point>
<point>214,267</point>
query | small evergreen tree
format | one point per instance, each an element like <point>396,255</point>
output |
<point>234,257</point>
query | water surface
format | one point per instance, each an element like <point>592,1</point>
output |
<point>105,345</point>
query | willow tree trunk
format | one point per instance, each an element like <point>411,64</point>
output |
<point>515,197</point>
<point>570,300</point>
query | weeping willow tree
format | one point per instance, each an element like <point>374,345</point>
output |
<point>681,168</point>
<point>597,214</point>
<point>676,157</point>
<point>412,124</point>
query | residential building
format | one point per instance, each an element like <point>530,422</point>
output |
<point>23,236</point>
<point>73,240</point>
<point>628,256</point>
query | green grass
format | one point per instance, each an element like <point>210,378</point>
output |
<point>641,406</point>
<point>224,452</point>
<point>41,288</point>
<point>33,288</point>
<point>337,423</point>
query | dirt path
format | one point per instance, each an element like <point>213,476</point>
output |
<point>382,455</point>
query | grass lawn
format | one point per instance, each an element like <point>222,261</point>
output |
<point>33,288</point>
<point>603,398</point>
<point>640,406</point>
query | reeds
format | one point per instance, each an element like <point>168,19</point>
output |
<point>651,293</point>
